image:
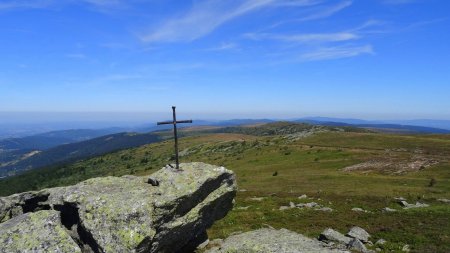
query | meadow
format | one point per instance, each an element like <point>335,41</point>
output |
<point>274,170</point>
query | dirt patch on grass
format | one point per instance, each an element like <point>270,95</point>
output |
<point>394,165</point>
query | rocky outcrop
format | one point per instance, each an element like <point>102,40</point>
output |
<point>272,241</point>
<point>168,212</point>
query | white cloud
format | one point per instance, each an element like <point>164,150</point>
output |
<point>330,53</point>
<point>208,15</point>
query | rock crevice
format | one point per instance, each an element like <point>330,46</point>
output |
<point>128,214</point>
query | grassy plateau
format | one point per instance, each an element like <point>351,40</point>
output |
<point>274,168</point>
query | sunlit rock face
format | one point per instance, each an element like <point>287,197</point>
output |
<point>168,211</point>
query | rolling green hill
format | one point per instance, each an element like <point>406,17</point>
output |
<point>80,150</point>
<point>15,149</point>
<point>338,168</point>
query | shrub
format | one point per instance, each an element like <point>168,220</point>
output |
<point>432,182</point>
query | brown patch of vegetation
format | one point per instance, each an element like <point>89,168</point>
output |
<point>395,165</point>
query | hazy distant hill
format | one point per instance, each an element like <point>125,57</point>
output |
<point>197,122</point>
<point>79,150</point>
<point>282,128</point>
<point>14,149</point>
<point>380,126</point>
<point>52,139</point>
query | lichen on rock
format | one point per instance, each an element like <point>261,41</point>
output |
<point>128,214</point>
<point>36,232</point>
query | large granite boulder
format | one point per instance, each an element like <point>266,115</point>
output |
<point>166,212</point>
<point>269,240</point>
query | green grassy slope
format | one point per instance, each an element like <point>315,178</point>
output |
<point>309,165</point>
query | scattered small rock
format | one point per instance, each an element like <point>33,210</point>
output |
<point>282,208</point>
<point>400,199</point>
<point>334,236</point>
<point>359,233</point>
<point>257,198</point>
<point>357,245</point>
<point>153,181</point>
<point>357,209</point>
<point>304,196</point>
<point>243,207</point>
<point>406,248</point>
<point>380,242</point>
<point>242,190</point>
<point>444,200</point>
<point>315,206</point>
<point>406,205</point>
<point>388,210</point>
<point>291,204</point>
<point>308,205</point>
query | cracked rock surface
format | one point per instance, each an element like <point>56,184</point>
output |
<point>123,214</point>
<point>36,232</point>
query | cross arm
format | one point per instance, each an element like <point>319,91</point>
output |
<point>171,122</point>
<point>164,123</point>
<point>184,121</point>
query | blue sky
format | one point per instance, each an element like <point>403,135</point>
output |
<point>371,59</point>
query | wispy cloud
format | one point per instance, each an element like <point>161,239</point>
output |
<point>321,46</point>
<point>306,38</point>
<point>323,11</point>
<point>223,47</point>
<point>330,53</point>
<point>208,15</point>
<point>327,12</point>
<point>425,23</point>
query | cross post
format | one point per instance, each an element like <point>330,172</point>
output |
<point>174,123</point>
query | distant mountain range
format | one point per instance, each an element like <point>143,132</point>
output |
<point>430,123</point>
<point>13,149</point>
<point>56,147</point>
<point>375,125</point>
<point>55,138</point>
<point>75,151</point>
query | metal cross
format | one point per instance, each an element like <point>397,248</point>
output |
<point>174,123</point>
